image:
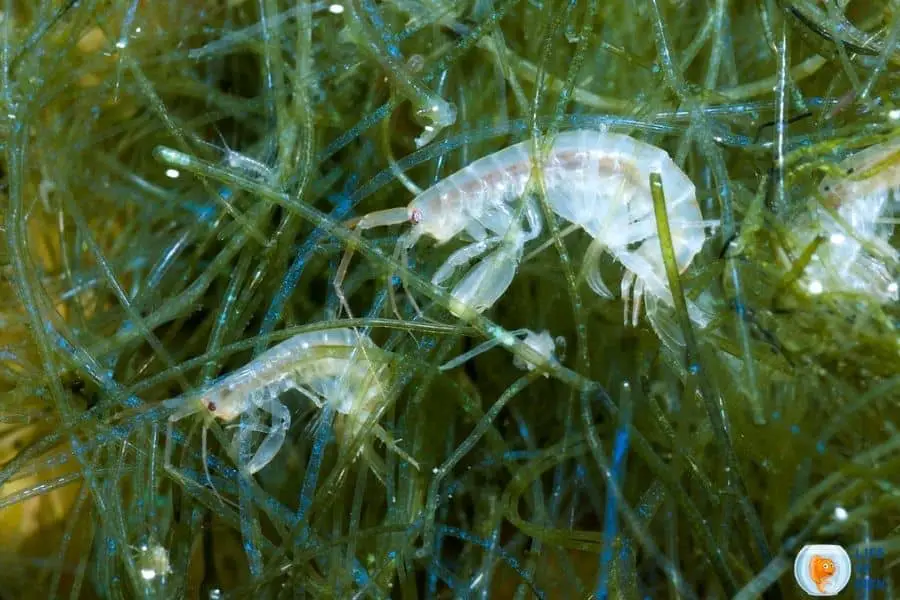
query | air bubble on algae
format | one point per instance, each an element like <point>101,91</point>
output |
<point>123,287</point>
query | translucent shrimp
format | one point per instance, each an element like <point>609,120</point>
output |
<point>600,181</point>
<point>596,180</point>
<point>856,255</point>
<point>340,367</point>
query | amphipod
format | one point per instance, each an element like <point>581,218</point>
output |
<point>339,367</point>
<point>856,255</point>
<point>596,180</point>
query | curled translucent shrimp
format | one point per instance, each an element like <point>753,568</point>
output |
<point>431,111</point>
<point>338,367</point>
<point>600,181</point>
<point>855,255</point>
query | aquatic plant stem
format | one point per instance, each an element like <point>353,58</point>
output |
<point>783,560</point>
<point>562,101</point>
<point>459,453</point>
<point>714,406</point>
<point>591,541</point>
<point>781,120</point>
<point>702,132</point>
<point>27,286</point>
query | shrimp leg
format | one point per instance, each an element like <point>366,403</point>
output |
<point>462,257</point>
<point>485,283</point>
<point>401,254</point>
<point>274,440</point>
<point>185,409</point>
<point>591,269</point>
<point>533,216</point>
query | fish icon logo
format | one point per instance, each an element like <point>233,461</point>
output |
<point>822,569</point>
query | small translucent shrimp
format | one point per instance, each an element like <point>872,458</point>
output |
<point>340,367</point>
<point>856,254</point>
<point>869,173</point>
<point>543,343</point>
<point>431,110</point>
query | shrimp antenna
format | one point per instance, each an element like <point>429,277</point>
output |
<point>184,410</point>
<point>221,137</point>
<point>204,455</point>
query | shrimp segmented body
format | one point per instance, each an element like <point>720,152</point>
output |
<point>340,367</point>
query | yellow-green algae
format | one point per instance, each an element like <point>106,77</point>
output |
<point>175,185</point>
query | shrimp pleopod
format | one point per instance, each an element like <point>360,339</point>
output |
<point>855,255</point>
<point>339,367</point>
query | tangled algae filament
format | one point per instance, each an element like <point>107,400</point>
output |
<point>179,184</point>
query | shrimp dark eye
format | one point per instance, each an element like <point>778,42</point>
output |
<point>850,171</point>
<point>211,406</point>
